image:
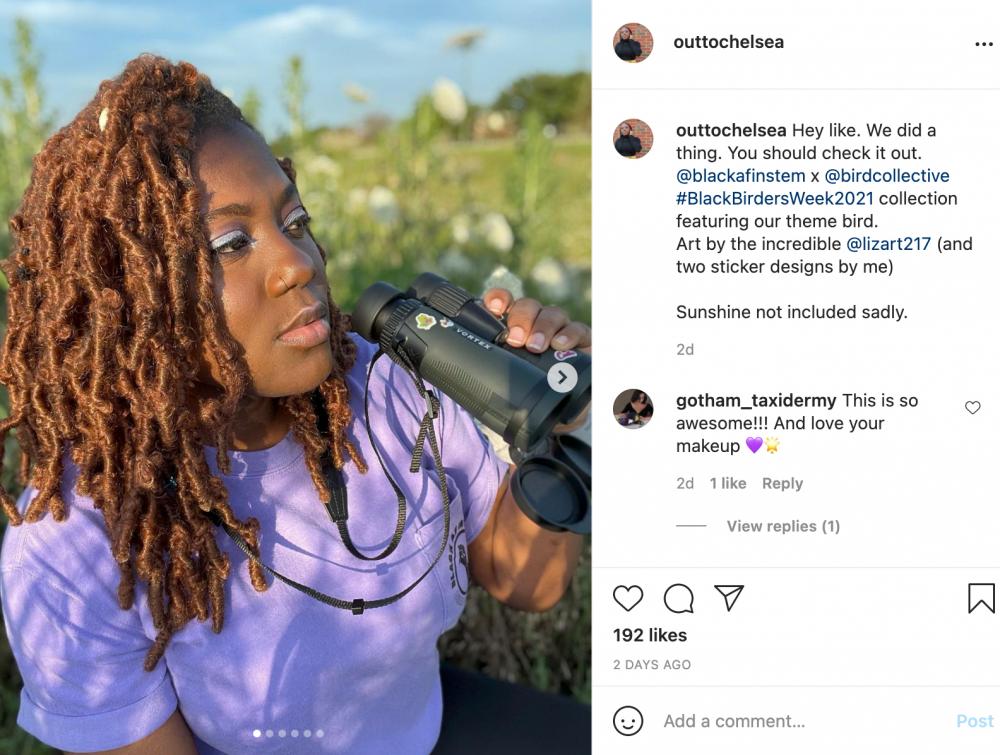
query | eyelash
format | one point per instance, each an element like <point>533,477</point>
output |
<point>303,219</point>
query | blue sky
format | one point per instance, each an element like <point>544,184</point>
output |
<point>394,49</point>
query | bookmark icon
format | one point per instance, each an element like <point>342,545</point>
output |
<point>983,594</point>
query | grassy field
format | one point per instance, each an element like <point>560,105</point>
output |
<point>486,164</point>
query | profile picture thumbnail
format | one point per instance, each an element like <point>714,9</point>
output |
<point>633,43</point>
<point>633,408</point>
<point>633,138</point>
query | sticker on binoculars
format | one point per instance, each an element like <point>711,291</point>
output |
<point>425,321</point>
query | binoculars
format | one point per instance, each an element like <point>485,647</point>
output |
<point>451,340</point>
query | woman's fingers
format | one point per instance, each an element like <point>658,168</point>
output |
<point>534,327</point>
<point>521,320</point>
<point>550,321</point>
<point>498,300</point>
<point>574,335</point>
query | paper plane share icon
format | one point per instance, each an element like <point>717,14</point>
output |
<point>730,593</point>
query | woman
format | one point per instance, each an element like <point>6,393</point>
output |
<point>158,368</point>
<point>627,48</point>
<point>626,144</point>
<point>637,411</point>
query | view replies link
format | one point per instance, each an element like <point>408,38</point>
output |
<point>773,421</point>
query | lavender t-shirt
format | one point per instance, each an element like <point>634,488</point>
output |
<point>287,673</point>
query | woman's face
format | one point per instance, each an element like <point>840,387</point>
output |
<point>625,33</point>
<point>639,403</point>
<point>625,129</point>
<point>248,201</point>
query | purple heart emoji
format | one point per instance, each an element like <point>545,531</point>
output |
<point>754,444</point>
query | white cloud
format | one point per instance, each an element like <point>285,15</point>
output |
<point>333,21</point>
<point>274,37</point>
<point>83,12</point>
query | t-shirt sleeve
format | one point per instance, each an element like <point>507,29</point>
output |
<point>471,462</point>
<point>84,683</point>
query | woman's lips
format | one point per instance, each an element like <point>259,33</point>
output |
<point>309,335</point>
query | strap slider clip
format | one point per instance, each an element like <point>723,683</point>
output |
<point>432,404</point>
<point>357,606</point>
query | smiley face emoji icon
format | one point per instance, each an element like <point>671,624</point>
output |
<point>628,720</point>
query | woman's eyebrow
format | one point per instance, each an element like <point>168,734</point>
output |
<point>236,209</point>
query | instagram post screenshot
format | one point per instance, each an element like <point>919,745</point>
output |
<point>295,376</point>
<point>796,531</point>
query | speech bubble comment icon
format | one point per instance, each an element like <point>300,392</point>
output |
<point>679,599</point>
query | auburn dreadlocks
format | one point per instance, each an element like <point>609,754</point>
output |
<point>111,297</point>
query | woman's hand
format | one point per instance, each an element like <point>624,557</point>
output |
<point>516,561</point>
<point>536,328</point>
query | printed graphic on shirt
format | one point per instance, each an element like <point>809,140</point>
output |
<point>458,560</point>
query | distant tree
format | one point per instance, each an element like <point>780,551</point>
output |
<point>561,99</point>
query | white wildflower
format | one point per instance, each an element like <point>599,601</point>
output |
<point>549,131</point>
<point>552,279</point>
<point>461,229</point>
<point>496,121</point>
<point>501,277</point>
<point>356,93</point>
<point>496,231</point>
<point>465,40</point>
<point>324,165</point>
<point>342,259</point>
<point>357,199</point>
<point>382,205</point>
<point>448,100</point>
<point>453,262</point>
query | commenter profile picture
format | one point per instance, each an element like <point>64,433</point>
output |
<point>633,408</point>
<point>633,42</point>
<point>633,138</point>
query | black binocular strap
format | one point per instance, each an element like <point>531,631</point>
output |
<point>337,505</point>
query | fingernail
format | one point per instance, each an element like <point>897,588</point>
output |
<point>536,341</point>
<point>560,341</point>
<point>496,306</point>
<point>516,336</point>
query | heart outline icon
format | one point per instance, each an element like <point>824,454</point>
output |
<point>972,406</point>
<point>627,597</point>
<point>754,444</point>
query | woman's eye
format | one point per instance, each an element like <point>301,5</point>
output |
<point>240,241</point>
<point>234,244</point>
<point>300,223</point>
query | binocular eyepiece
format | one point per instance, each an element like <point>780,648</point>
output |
<point>449,338</point>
